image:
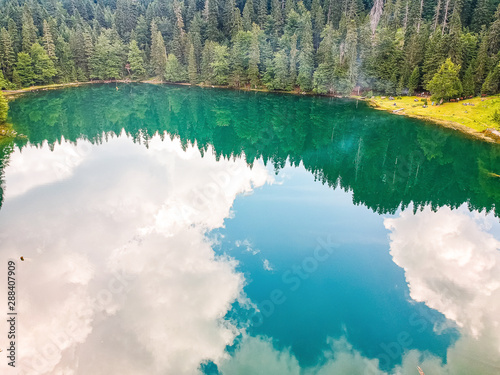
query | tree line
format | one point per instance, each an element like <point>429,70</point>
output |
<point>392,47</point>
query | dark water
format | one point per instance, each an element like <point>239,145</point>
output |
<point>180,230</point>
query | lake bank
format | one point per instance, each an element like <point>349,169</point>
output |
<point>473,119</point>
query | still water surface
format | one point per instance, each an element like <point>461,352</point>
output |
<point>177,230</point>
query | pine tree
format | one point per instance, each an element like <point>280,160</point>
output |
<point>293,61</point>
<point>141,32</point>
<point>434,56</point>
<point>306,57</point>
<point>16,79</point>
<point>455,38</point>
<point>492,83</point>
<point>248,15</point>
<point>494,35</point>
<point>43,66</point>
<point>323,78</point>
<point>195,37</point>
<point>482,15</point>
<point>351,42</point>
<point>24,69</point>
<point>414,81</point>
<point>48,42</point>
<point>445,84</point>
<point>280,67</point>
<point>7,55</point>
<point>277,17</point>
<point>240,57</point>
<point>192,66</point>
<point>29,32</point>
<point>135,60</point>
<point>468,85</point>
<point>482,62</point>
<point>107,59</point>
<point>4,108</point>
<point>14,35</point>
<point>207,58</point>
<point>174,71</point>
<point>254,57</point>
<point>262,12</point>
<point>220,64</point>
<point>158,51</point>
<point>179,41</point>
<point>88,52</point>
<point>211,15</point>
<point>318,20</point>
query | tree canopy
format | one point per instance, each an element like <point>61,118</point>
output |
<point>334,46</point>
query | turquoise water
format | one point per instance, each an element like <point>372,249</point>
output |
<point>186,230</point>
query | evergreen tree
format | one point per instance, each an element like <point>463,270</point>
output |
<point>240,58</point>
<point>4,108</point>
<point>293,61</point>
<point>254,57</point>
<point>262,12</point>
<point>435,55</point>
<point>107,60</point>
<point>482,15</point>
<point>174,71</point>
<point>492,83</point>
<point>211,17</point>
<point>445,84</point>
<point>318,20</point>
<point>192,66</point>
<point>494,34</point>
<point>158,51</point>
<point>220,64</point>
<point>482,62</point>
<point>468,85</point>
<point>135,60</point>
<point>29,32</point>
<point>207,59</point>
<point>48,42</point>
<point>14,35</point>
<point>141,32</point>
<point>7,55</point>
<point>280,68</point>
<point>248,15</point>
<point>323,79</point>
<point>414,81</point>
<point>43,66</point>
<point>24,69</point>
<point>16,78</point>
<point>306,57</point>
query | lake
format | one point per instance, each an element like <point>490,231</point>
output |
<point>181,230</point>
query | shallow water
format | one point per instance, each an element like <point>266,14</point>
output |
<point>182,230</point>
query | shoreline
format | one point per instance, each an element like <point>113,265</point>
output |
<point>490,134</point>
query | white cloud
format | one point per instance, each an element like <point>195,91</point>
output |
<point>36,166</point>
<point>452,263</point>
<point>267,265</point>
<point>119,276</point>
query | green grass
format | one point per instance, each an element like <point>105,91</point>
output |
<point>478,117</point>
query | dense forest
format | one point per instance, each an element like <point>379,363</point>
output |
<point>324,46</point>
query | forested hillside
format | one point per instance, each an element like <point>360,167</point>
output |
<point>325,46</point>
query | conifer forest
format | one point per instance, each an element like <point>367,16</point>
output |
<point>393,47</point>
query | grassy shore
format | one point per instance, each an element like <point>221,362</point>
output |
<point>476,119</point>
